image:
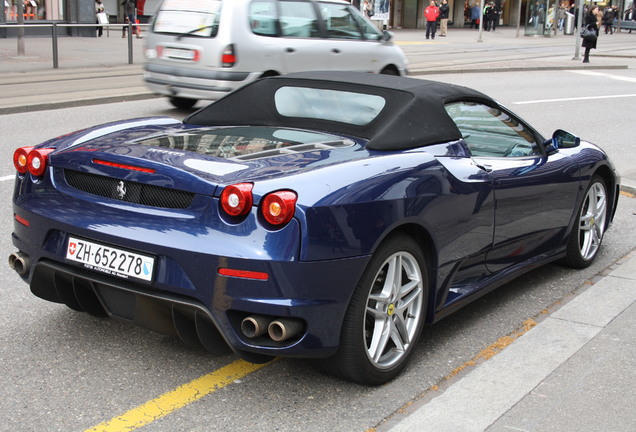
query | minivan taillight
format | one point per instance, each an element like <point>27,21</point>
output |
<point>228,58</point>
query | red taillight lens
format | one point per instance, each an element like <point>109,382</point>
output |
<point>20,159</point>
<point>37,161</point>
<point>244,274</point>
<point>236,200</point>
<point>228,58</point>
<point>278,208</point>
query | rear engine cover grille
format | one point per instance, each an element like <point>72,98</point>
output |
<point>133,192</point>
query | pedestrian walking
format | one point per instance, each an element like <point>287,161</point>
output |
<point>599,16</point>
<point>608,20</point>
<point>496,12</point>
<point>444,9</point>
<point>590,23</point>
<point>130,12</point>
<point>630,15</point>
<point>431,13</point>
<point>475,14</point>
<point>487,15</point>
<point>99,8</point>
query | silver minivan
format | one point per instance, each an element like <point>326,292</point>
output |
<point>204,49</point>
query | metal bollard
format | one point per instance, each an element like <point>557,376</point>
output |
<point>54,42</point>
<point>130,44</point>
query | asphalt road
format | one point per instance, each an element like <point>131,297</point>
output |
<point>66,371</point>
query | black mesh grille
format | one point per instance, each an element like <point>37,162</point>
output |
<point>138,193</point>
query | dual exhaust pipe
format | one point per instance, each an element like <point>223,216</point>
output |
<point>20,262</point>
<point>278,330</point>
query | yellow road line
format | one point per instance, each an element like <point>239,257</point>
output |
<point>177,398</point>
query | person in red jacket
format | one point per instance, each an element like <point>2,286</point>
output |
<point>431,13</point>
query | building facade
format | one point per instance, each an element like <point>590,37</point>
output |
<point>535,16</point>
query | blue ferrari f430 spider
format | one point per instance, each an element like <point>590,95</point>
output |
<point>321,215</point>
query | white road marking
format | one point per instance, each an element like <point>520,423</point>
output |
<point>575,99</point>
<point>589,73</point>
<point>604,75</point>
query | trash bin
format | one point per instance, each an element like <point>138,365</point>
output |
<point>568,25</point>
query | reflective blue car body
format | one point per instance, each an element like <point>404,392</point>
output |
<point>480,221</point>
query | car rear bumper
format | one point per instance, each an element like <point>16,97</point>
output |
<point>190,299</point>
<point>194,83</point>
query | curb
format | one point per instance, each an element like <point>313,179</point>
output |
<point>559,334</point>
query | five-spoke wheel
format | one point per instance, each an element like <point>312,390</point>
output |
<point>587,235</point>
<point>385,315</point>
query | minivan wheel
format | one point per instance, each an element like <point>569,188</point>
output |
<point>389,71</point>
<point>182,103</point>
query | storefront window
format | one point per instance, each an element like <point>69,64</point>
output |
<point>539,17</point>
<point>34,10</point>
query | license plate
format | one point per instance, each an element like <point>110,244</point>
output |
<point>110,260</point>
<point>177,53</point>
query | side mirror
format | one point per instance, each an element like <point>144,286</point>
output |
<point>563,139</point>
<point>386,36</point>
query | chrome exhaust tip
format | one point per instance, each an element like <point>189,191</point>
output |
<point>284,328</point>
<point>255,325</point>
<point>20,262</point>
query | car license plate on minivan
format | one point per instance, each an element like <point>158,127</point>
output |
<point>179,53</point>
<point>110,260</point>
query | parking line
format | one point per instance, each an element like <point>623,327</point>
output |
<point>177,398</point>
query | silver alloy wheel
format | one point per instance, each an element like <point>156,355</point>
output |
<point>592,221</point>
<point>394,310</point>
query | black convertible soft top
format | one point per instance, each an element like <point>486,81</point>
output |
<point>413,115</point>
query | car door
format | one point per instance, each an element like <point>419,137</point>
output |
<point>534,192</point>
<point>301,44</point>
<point>353,45</point>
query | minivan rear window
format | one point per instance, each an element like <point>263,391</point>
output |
<point>188,17</point>
<point>334,105</point>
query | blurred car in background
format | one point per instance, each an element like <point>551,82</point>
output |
<point>206,49</point>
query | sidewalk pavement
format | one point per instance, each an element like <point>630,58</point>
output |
<point>574,371</point>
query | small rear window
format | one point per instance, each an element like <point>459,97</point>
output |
<point>188,17</point>
<point>334,105</point>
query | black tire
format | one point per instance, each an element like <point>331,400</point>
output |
<point>389,71</point>
<point>589,227</point>
<point>364,355</point>
<point>183,103</point>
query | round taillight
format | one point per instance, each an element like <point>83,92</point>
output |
<point>20,159</point>
<point>278,208</point>
<point>236,200</point>
<point>37,161</point>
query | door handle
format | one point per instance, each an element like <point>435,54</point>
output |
<point>484,167</point>
<point>290,50</point>
<point>335,51</point>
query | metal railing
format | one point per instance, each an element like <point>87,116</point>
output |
<point>54,30</point>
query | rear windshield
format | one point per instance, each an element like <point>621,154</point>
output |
<point>188,17</point>
<point>247,142</point>
<point>323,104</point>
